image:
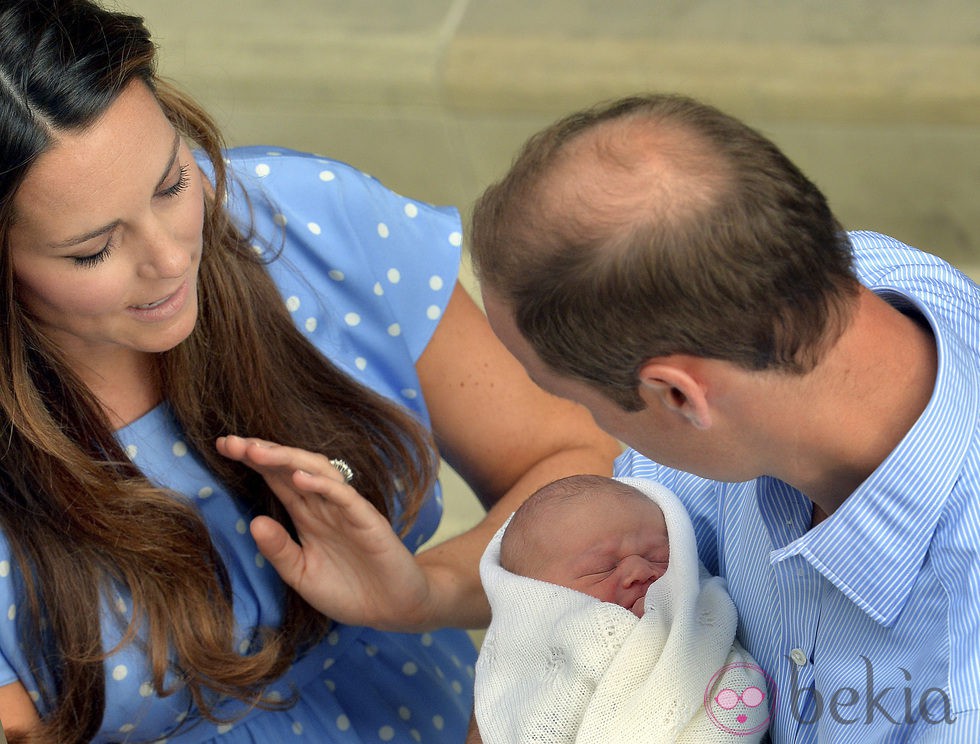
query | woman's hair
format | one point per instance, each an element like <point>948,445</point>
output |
<point>657,225</point>
<point>79,516</point>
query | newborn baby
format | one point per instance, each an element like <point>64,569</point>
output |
<point>607,628</point>
<point>596,535</point>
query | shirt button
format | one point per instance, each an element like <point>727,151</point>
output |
<point>798,656</point>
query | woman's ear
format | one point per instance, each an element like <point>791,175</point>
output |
<point>671,383</point>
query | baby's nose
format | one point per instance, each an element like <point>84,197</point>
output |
<point>635,569</point>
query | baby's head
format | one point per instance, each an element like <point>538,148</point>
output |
<point>592,534</point>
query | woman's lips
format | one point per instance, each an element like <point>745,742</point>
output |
<point>162,309</point>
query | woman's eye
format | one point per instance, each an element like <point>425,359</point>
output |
<point>183,180</point>
<point>95,259</point>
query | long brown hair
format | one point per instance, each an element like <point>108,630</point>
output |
<point>78,515</point>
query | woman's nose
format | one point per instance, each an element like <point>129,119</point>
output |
<point>163,258</point>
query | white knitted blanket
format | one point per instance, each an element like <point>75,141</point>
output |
<point>558,666</point>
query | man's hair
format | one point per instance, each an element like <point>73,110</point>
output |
<point>658,225</point>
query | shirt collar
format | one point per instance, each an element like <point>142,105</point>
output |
<point>873,546</point>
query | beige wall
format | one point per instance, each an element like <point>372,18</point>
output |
<point>877,100</point>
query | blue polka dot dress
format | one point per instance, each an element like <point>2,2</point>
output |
<point>366,274</point>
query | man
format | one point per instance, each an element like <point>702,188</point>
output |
<point>810,395</point>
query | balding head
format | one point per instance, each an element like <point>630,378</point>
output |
<point>656,226</point>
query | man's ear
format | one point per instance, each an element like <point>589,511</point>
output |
<point>671,383</point>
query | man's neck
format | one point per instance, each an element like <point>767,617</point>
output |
<point>849,414</point>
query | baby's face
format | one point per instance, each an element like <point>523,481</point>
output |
<point>613,553</point>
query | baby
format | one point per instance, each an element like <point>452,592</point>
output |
<point>596,535</point>
<point>655,660</point>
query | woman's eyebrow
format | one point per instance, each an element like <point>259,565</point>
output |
<point>91,234</point>
<point>172,160</point>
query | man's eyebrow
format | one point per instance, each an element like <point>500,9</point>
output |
<point>92,234</point>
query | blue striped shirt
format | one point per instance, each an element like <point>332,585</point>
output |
<point>868,625</point>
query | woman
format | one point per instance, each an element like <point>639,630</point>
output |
<point>152,304</point>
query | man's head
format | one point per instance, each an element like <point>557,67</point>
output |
<point>657,226</point>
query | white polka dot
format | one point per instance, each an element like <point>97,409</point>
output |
<point>410,393</point>
<point>361,363</point>
<point>352,319</point>
<point>336,275</point>
<point>4,569</point>
<point>310,325</point>
<point>146,689</point>
<point>121,605</point>
<point>330,685</point>
<point>410,668</point>
<point>456,239</point>
<point>327,175</point>
<point>280,219</point>
<point>394,330</point>
<point>258,250</point>
<point>119,673</point>
<point>383,230</point>
<point>333,638</point>
<point>273,154</point>
<point>292,303</point>
<point>205,492</point>
<point>297,728</point>
<point>433,312</point>
<point>386,733</point>
<point>435,283</point>
<point>181,716</point>
<point>131,451</point>
<point>411,210</point>
<point>456,661</point>
<point>394,276</point>
<point>240,527</point>
<point>313,228</point>
<point>262,170</point>
<point>34,695</point>
<point>179,449</point>
<point>438,722</point>
<point>426,639</point>
<point>243,646</point>
<point>457,687</point>
<point>378,289</point>
<point>12,612</point>
<point>126,728</point>
<point>259,560</point>
<point>404,713</point>
<point>371,650</point>
<point>470,671</point>
<point>327,663</point>
<point>224,728</point>
<point>343,722</point>
<point>416,735</point>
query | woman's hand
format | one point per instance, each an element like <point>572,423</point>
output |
<point>349,563</point>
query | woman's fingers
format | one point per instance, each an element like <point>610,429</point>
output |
<point>265,456</point>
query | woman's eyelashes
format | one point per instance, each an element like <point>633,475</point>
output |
<point>96,258</point>
<point>180,185</point>
<point>183,179</point>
